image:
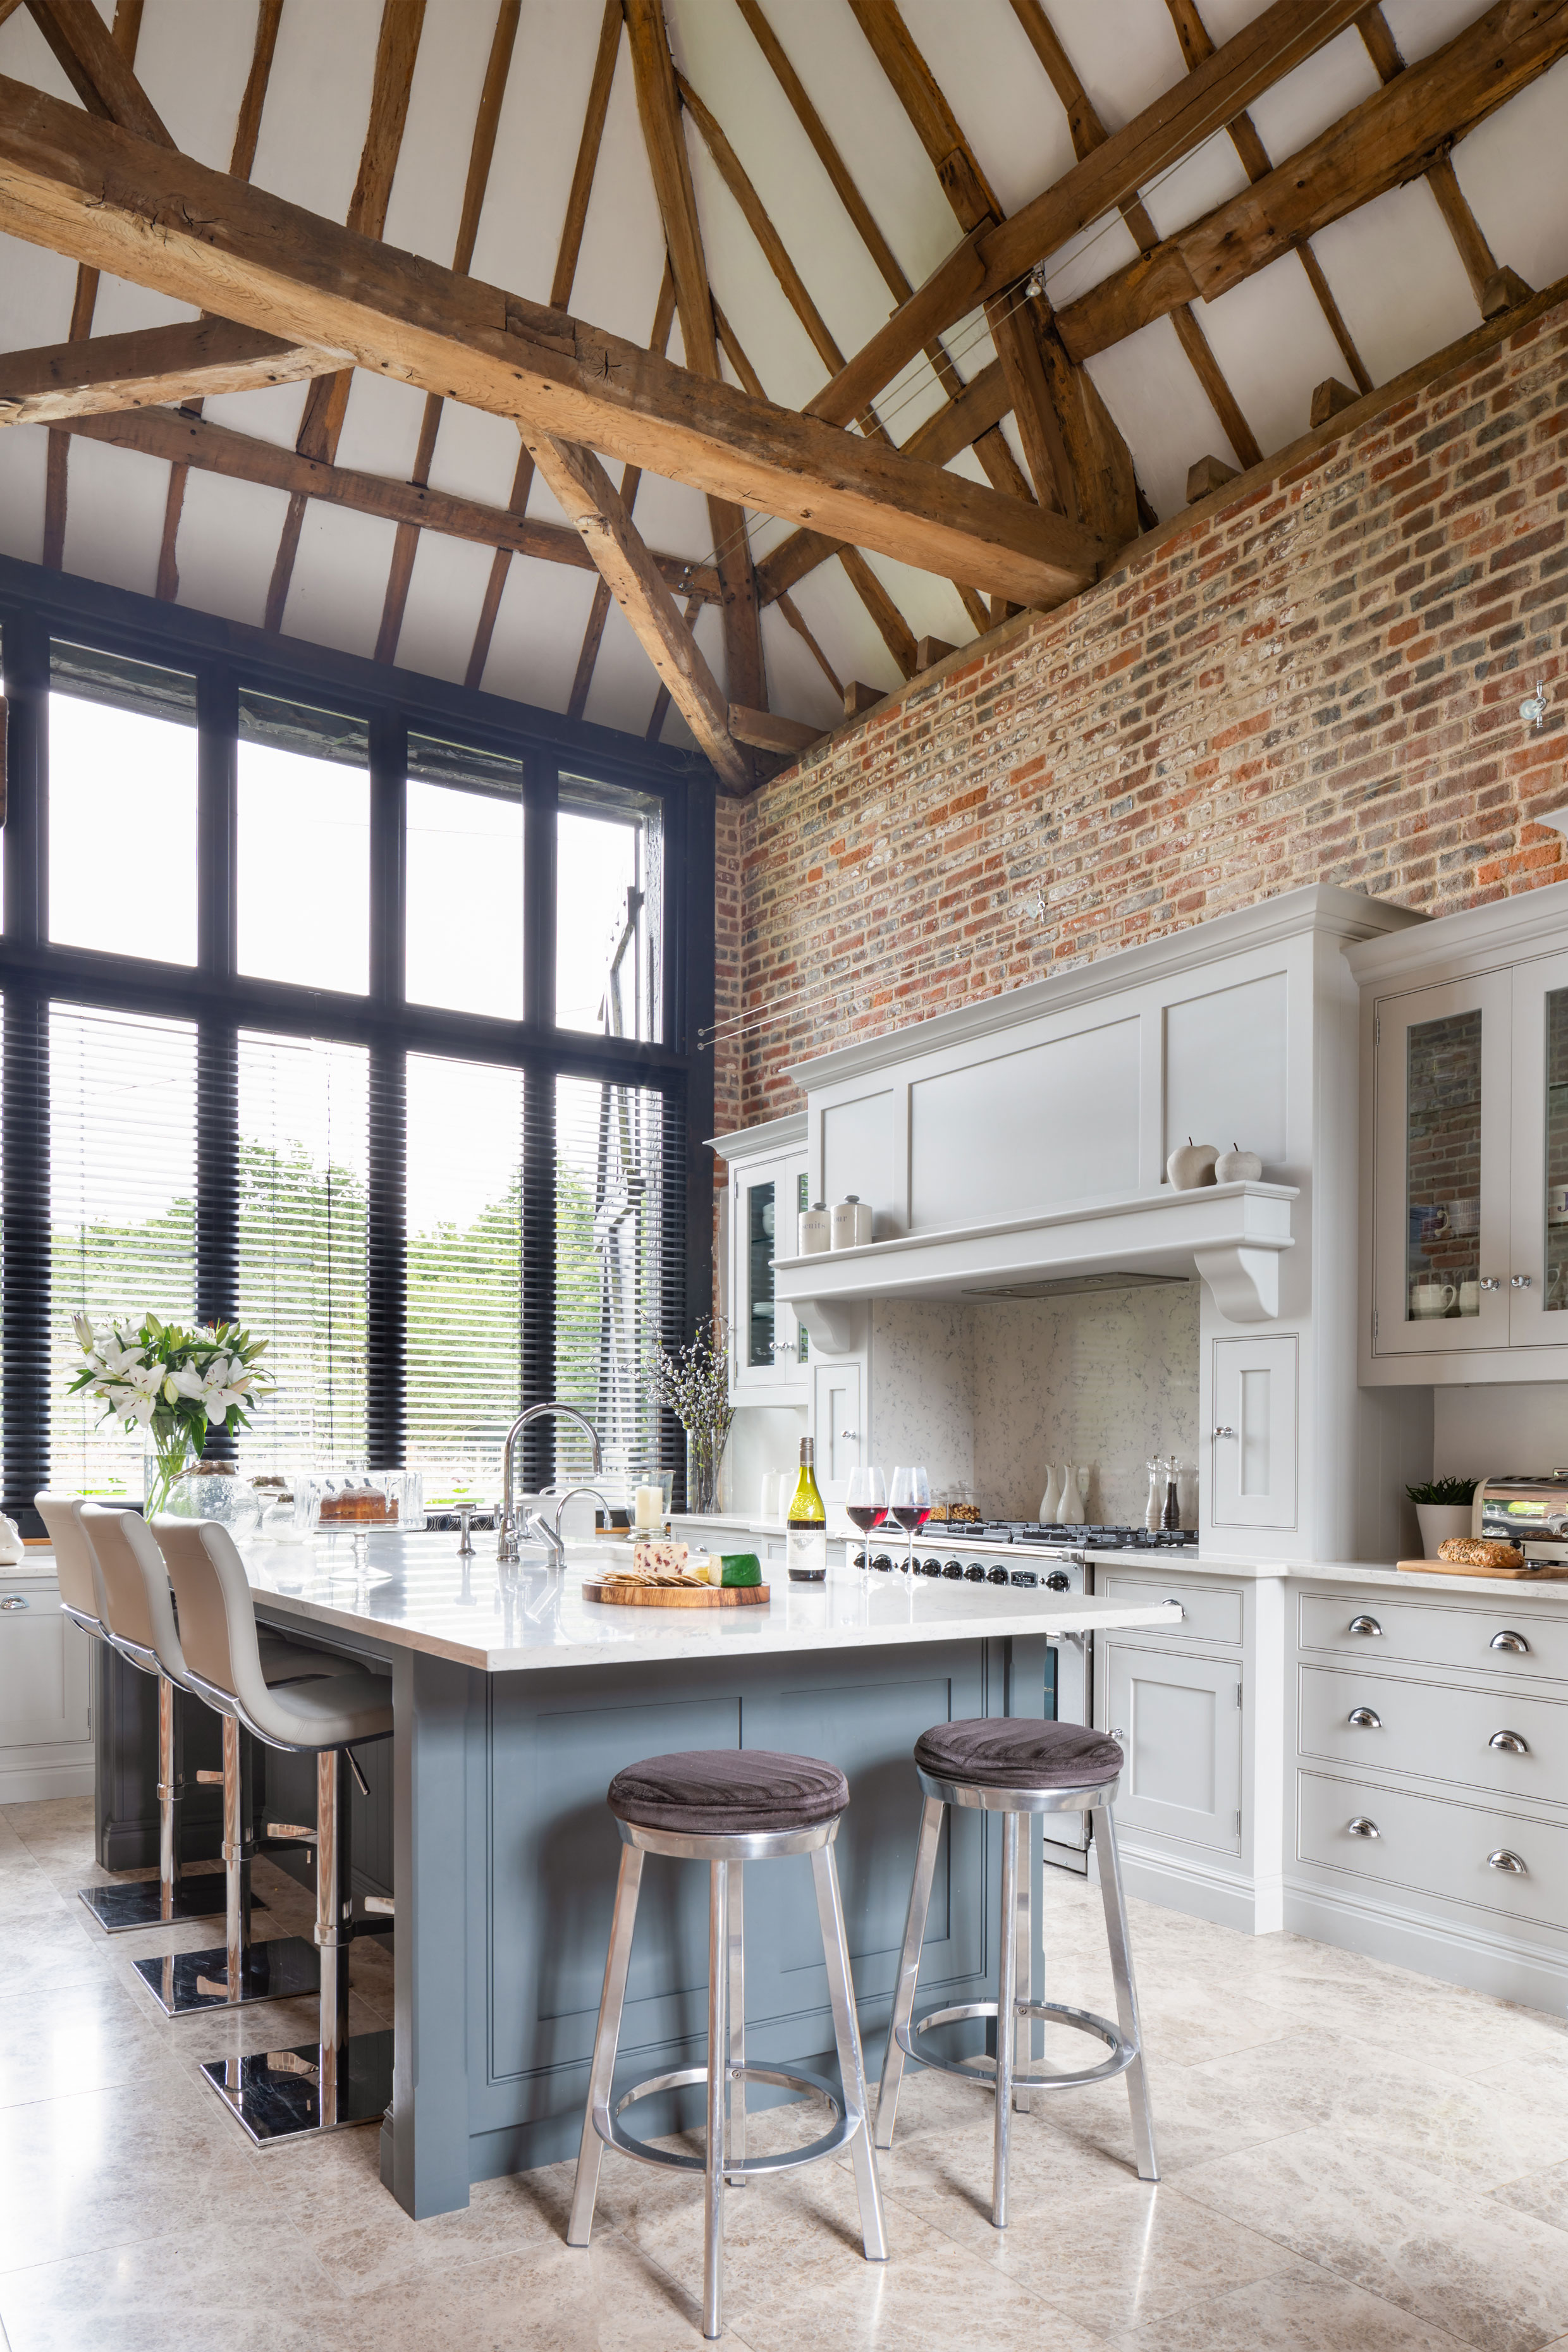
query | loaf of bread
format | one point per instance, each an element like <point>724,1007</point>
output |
<point>1480,1551</point>
<point>366,1505</point>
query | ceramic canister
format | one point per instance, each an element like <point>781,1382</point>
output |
<point>851,1222</point>
<point>814,1230</point>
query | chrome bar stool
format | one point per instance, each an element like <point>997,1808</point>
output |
<point>1020,1769</point>
<point>141,1625</point>
<point>338,2079</point>
<point>727,1808</point>
<point>130,1903</point>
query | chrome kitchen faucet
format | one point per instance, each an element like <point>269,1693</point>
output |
<point>505,1539</point>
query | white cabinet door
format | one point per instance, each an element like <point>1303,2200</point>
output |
<point>838,1423</point>
<point>1180,1721</point>
<point>42,1669</point>
<point>768,1347</point>
<point>1253,1445</point>
<point>1441,1254</point>
<point>1538,1251</point>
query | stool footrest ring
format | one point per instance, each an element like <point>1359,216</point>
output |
<point>847,2121</point>
<point>981,2070</point>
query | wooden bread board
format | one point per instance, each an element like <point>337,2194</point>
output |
<point>1544,1574</point>
<point>615,1595</point>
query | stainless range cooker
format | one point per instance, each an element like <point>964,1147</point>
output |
<point>1056,1558</point>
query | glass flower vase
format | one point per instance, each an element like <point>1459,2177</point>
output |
<point>704,1460</point>
<point>167,1457</point>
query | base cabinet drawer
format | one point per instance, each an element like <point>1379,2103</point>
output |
<point>1523,1643</point>
<point>1210,1612</point>
<point>1483,1856</point>
<point>1181,1722</point>
<point>1496,1742</point>
<point>42,1669</point>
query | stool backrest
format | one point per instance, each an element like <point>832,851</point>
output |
<point>75,1565</point>
<point>217,1615</point>
<point>141,1608</point>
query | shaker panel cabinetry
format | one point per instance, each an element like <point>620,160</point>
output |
<point>839,1426</point>
<point>769,1348</point>
<point>1179,1718</point>
<point>1469,1174</point>
<point>45,1730</point>
<point>1254,1440</point>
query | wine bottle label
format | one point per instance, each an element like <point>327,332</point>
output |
<point>806,1554</point>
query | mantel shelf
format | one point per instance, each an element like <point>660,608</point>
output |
<point>1233,1236</point>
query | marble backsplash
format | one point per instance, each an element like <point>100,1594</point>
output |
<point>991,1394</point>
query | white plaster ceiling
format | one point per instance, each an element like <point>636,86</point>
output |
<point>1392,267</point>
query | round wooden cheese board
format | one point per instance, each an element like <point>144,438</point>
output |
<point>614,1594</point>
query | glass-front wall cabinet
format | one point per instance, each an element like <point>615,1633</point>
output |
<point>769,1348</point>
<point>1470,1178</point>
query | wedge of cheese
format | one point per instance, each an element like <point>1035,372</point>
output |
<point>659,1557</point>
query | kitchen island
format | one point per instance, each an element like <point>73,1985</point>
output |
<point>515,1701</point>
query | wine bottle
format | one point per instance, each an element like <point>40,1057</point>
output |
<point>807,1543</point>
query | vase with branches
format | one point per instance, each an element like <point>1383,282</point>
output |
<point>693,1383</point>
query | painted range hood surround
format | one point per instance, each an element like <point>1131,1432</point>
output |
<point>1233,1236</point>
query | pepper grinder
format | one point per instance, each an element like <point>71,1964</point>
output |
<point>1170,1517</point>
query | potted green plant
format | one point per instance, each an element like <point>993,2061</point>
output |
<point>1443,1507</point>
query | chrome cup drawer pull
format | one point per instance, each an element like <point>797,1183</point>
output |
<point>1362,1827</point>
<point>1514,1642</point>
<point>1172,1603</point>
<point>1364,1625</point>
<point>1365,1718</point>
<point>1512,1741</point>
<point>1504,1860</point>
<point>15,1600</point>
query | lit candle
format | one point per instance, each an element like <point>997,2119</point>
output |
<point>650,1507</point>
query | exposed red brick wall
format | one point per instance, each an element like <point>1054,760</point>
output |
<point>1319,682</point>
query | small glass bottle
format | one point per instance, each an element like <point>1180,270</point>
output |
<point>806,1542</point>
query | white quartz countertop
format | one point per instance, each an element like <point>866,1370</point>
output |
<point>716,1531</point>
<point>1392,1578</point>
<point>524,1619</point>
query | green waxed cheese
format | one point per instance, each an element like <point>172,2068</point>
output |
<point>739,1568</point>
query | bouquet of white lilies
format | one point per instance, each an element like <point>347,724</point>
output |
<point>174,1384</point>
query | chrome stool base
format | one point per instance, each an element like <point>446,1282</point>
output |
<point>179,1982</point>
<point>277,2094</point>
<point>984,2069</point>
<point>123,1905</point>
<point>738,2169</point>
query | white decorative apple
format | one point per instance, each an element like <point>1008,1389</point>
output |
<point>1237,1166</point>
<point>1191,1164</point>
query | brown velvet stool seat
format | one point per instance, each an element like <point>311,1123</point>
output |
<point>1022,1770</point>
<point>727,1807</point>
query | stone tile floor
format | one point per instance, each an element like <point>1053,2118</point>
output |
<point>1354,2158</point>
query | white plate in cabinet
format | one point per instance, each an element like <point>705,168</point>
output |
<point>1180,1719</point>
<point>1209,1611</point>
<point>1497,1741</point>
<point>1520,1644</point>
<point>1475,1854</point>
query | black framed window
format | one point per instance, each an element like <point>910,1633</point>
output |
<point>356,1005</point>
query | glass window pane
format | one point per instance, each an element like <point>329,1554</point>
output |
<point>122,1186</point>
<point>620,1221</point>
<point>304,846</point>
<point>122,806</point>
<point>465,880</point>
<point>608,899</point>
<point>304,1167</point>
<point>464,1273</point>
<point>1556,1255</point>
<point>1443,1168</point>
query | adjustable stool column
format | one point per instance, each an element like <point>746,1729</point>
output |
<point>134,1902</point>
<point>335,2080</point>
<point>1020,1769</point>
<point>727,1808</point>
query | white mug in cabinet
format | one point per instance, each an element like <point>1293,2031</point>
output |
<point>814,1230</point>
<point>851,1223</point>
<point>1431,1297</point>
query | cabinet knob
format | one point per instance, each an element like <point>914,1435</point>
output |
<point>849,1433</point>
<point>1365,1718</point>
<point>1505,1860</point>
<point>1490,1282</point>
<point>15,1600</point>
<point>1506,1641</point>
<point>1224,1433</point>
<point>1509,1740</point>
<point>1521,1281</point>
<point>1364,1625</point>
<point>1362,1827</point>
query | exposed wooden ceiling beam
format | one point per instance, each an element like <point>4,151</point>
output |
<point>211,448</point>
<point>590,498</point>
<point>87,189</point>
<point>664,137</point>
<point>1388,139</point>
<point>892,626</point>
<point>242,156</point>
<point>660,710</point>
<point>481,150</point>
<point>1480,263</point>
<point>327,402</point>
<point>590,138</point>
<point>1276,41</point>
<point>150,366</point>
<point>798,622</point>
<point>767,730</point>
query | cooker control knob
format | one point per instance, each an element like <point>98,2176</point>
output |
<point>1059,1581</point>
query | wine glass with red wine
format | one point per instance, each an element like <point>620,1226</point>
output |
<point>909,1504</point>
<point>866,1502</point>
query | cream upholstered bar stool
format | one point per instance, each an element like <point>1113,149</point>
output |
<point>141,1624</point>
<point>125,1904</point>
<point>729,1807</point>
<point>337,2079</point>
<point>1021,1768</point>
